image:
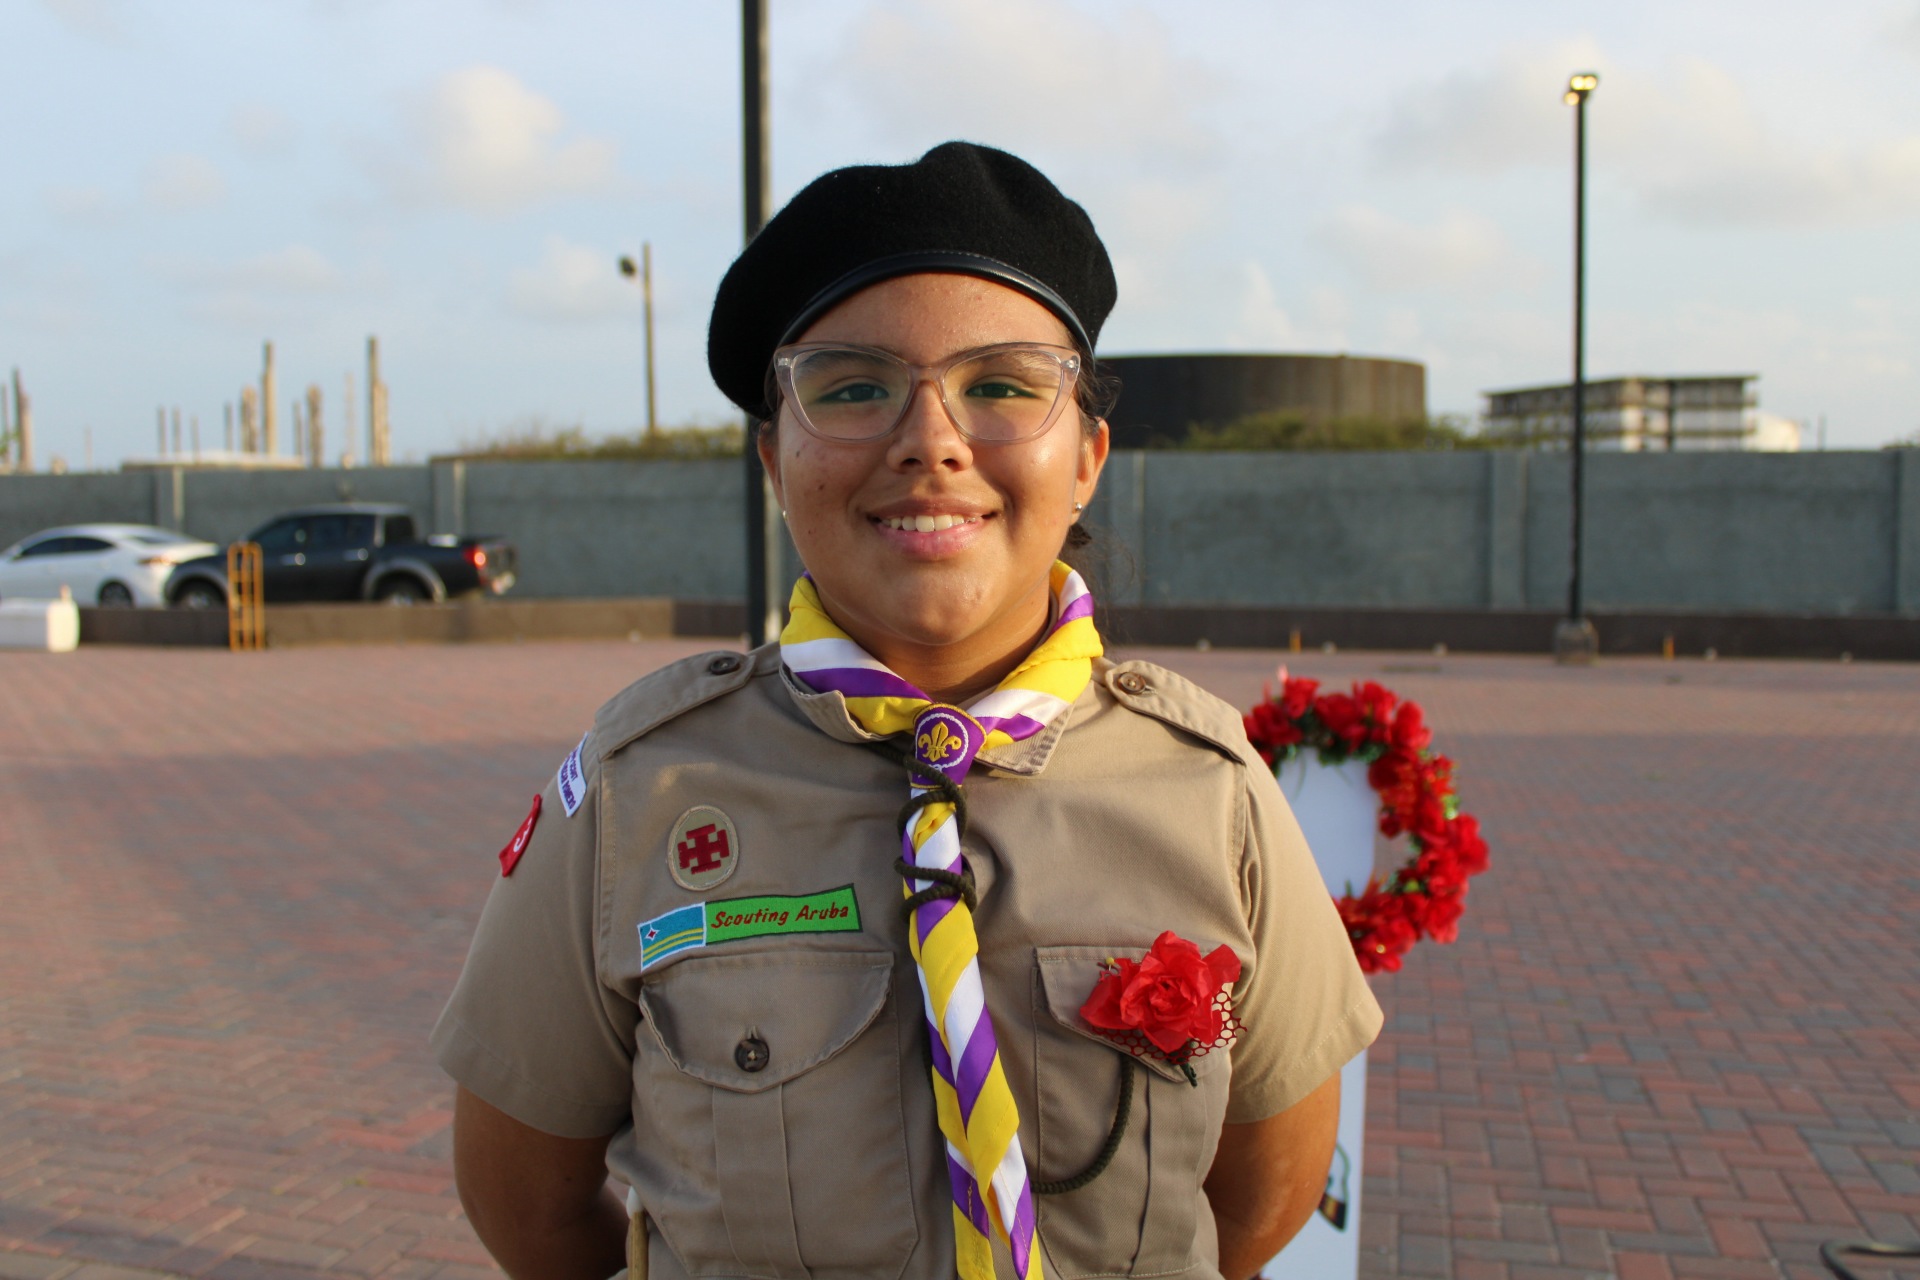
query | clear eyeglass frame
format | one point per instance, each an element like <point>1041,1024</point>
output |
<point>787,359</point>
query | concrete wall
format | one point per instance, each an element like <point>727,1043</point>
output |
<point>1827,533</point>
<point>616,529</point>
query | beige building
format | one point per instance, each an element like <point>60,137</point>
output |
<point>1645,415</point>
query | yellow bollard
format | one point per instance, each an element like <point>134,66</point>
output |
<point>246,599</point>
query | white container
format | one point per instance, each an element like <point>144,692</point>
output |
<point>1338,812</point>
<point>50,626</point>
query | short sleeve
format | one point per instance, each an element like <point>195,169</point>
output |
<point>530,1028</point>
<point>1305,1005</point>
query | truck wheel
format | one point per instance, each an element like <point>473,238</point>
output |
<point>404,591</point>
<point>115,595</point>
<point>199,595</point>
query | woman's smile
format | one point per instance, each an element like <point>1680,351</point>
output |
<point>930,530</point>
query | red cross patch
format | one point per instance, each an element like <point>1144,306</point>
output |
<point>703,848</point>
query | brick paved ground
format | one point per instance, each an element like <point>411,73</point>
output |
<point>1678,1038</point>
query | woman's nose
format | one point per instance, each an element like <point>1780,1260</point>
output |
<point>927,435</point>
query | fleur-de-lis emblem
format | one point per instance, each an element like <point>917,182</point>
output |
<point>939,742</point>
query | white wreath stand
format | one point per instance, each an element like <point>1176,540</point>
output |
<point>1338,812</point>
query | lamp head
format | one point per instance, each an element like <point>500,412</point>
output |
<point>1579,86</point>
<point>627,267</point>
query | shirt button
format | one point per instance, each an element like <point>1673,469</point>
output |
<point>752,1054</point>
<point>1130,682</point>
<point>723,664</point>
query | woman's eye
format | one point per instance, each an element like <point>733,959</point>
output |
<point>853,393</point>
<point>999,391</point>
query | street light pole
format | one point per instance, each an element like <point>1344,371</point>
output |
<point>646,291</point>
<point>1575,640</point>
<point>763,545</point>
<point>645,271</point>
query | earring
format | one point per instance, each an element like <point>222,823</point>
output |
<point>1078,507</point>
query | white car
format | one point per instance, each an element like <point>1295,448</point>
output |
<point>105,564</point>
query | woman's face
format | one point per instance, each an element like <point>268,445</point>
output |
<point>962,598</point>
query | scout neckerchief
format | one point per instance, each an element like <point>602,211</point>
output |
<point>975,1105</point>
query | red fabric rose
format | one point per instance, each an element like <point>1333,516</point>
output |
<point>1397,777</point>
<point>1428,820</point>
<point>1296,698</point>
<point>1168,996</point>
<point>1410,733</point>
<point>1378,923</point>
<point>1438,870</point>
<point>1271,731</point>
<point>1443,916</point>
<point>1464,834</point>
<point>1376,709</point>
<point>1344,720</point>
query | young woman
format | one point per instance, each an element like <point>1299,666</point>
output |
<point>928,941</point>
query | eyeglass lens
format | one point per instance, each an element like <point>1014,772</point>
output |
<point>1001,395</point>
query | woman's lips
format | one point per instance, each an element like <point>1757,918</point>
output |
<point>929,543</point>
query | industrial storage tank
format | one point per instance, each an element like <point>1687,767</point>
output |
<point>1162,396</point>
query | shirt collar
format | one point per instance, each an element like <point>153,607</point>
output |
<point>828,712</point>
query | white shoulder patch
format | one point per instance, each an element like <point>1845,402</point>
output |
<point>573,779</point>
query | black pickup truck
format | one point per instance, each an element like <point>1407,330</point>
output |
<point>353,551</point>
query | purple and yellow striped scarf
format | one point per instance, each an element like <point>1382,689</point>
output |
<point>976,1108</point>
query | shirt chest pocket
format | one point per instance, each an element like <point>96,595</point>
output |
<point>1142,1215</point>
<point>771,1115</point>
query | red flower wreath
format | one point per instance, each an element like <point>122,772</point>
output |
<point>1426,896</point>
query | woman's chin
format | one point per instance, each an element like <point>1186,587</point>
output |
<point>924,610</point>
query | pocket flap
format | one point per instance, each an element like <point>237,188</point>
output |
<point>1067,975</point>
<point>801,1006</point>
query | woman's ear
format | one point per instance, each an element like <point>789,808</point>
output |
<point>1093,459</point>
<point>766,438</point>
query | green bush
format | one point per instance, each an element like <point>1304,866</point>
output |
<point>535,439</point>
<point>1289,429</point>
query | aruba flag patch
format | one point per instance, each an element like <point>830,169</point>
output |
<point>733,919</point>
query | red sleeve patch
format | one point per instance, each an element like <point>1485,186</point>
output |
<point>510,856</point>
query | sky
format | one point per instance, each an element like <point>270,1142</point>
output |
<point>184,181</point>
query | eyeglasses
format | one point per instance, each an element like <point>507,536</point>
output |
<point>1001,394</point>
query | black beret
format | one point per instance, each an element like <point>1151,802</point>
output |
<point>960,208</point>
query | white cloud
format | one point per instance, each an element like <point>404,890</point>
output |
<point>184,181</point>
<point>1259,322</point>
<point>83,205</point>
<point>1259,319</point>
<point>1390,255</point>
<point>262,130</point>
<point>1704,155</point>
<point>294,269</point>
<point>278,287</point>
<point>1689,141</point>
<point>1033,75</point>
<point>1906,32</point>
<point>103,20</point>
<point>1865,343</point>
<point>1490,119</point>
<point>572,283</point>
<point>482,140</point>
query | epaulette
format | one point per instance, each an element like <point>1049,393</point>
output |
<point>674,690</point>
<point>1173,699</point>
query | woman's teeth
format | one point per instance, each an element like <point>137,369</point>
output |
<point>927,524</point>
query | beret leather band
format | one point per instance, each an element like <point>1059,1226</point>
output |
<point>938,260</point>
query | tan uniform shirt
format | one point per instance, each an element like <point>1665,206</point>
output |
<point>767,1088</point>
